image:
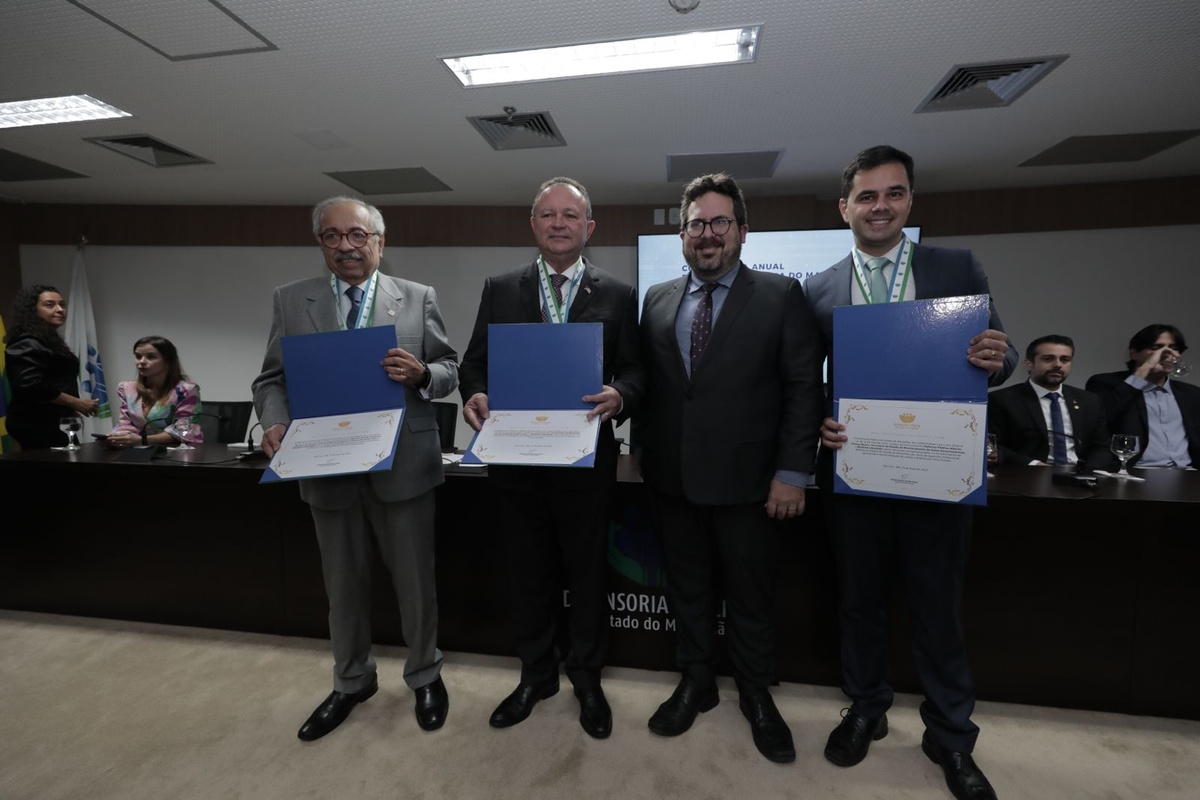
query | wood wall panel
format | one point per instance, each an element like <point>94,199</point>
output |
<point>1130,204</point>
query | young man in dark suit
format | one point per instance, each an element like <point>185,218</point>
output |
<point>1029,428</point>
<point>728,439</point>
<point>930,540</point>
<point>554,519</point>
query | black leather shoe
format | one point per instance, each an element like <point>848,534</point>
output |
<point>432,705</point>
<point>334,710</point>
<point>595,716</point>
<point>679,712</point>
<point>966,781</point>
<point>849,741</point>
<point>516,707</point>
<point>771,734</point>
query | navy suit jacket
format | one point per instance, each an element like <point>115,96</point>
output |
<point>1015,416</point>
<point>936,271</point>
<point>515,297</point>
<point>1125,409</point>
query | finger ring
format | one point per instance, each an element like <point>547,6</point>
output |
<point>991,354</point>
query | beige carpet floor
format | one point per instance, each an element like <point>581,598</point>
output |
<point>104,709</point>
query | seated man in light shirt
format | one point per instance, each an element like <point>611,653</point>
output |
<point>1023,417</point>
<point>1144,400</point>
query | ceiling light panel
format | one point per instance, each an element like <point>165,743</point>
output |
<point>675,51</point>
<point>55,110</point>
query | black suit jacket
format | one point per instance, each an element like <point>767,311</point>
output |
<point>752,405</point>
<point>1015,416</point>
<point>1125,410</point>
<point>514,297</point>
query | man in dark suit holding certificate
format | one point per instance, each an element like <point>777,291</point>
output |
<point>395,506</point>
<point>554,519</point>
<point>930,540</point>
<point>728,441</point>
<point>1045,422</point>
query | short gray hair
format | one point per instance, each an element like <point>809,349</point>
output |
<point>372,212</point>
<point>561,181</point>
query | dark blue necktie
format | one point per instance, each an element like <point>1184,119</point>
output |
<point>1056,425</point>
<point>355,294</point>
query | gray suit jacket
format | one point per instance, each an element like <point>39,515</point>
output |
<point>308,306</point>
<point>751,406</point>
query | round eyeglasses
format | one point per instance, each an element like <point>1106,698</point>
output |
<point>356,237</point>
<point>719,225</point>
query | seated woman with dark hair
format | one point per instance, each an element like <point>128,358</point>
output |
<point>42,370</point>
<point>160,395</point>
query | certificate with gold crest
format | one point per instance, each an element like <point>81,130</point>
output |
<point>538,375</point>
<point>346,414</point>
<point>914,408</point>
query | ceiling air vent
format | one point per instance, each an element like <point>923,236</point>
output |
<point>990,85</point>
<point>148,150</point>
<point>514,131</point>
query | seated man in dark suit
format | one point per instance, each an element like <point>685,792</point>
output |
<point>1143,400</point>
<point>1043,421</point>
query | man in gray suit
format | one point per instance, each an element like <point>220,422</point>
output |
<point>728,439</point>
<point>396,506</point>
<point>929,540</point>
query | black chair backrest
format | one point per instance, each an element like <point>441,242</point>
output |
<point>447,420</point>
<point>224,421</point>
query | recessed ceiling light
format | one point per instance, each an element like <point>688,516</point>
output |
<point>676,51</point>
<point>53,110</point>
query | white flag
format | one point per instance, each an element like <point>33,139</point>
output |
<point>81,338</point>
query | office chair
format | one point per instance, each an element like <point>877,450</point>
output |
<point>447,420</point>
<point>224,422</point>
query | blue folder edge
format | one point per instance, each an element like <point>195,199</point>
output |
<point>915,350</point>
<point>339,372</point>
<point>537,366</point>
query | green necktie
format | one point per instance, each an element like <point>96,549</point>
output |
<point>878,286</point>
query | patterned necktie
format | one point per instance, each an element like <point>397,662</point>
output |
<point>1060,434</point>
<point>702,323</point>
<point>356,295</point>
<point>878,286</point>
<point>557,281</point>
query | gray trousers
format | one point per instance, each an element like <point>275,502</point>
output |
<point>404,532</point>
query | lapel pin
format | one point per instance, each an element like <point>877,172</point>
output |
<point>391,312</point>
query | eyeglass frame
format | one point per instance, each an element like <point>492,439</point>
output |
<point>340,236</point>
<point>710,224</point>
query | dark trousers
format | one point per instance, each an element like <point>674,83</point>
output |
<point>557,539</point>
<point>931,542</point>
<point>708,549</point>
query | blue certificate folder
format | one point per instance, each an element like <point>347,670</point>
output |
<point>539,366</point>
<point>339,373</point>
<point>915,350</point>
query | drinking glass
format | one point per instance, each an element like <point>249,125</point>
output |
<point>182,425</point>
<point>71,425</point>
<point>1124,446</point>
